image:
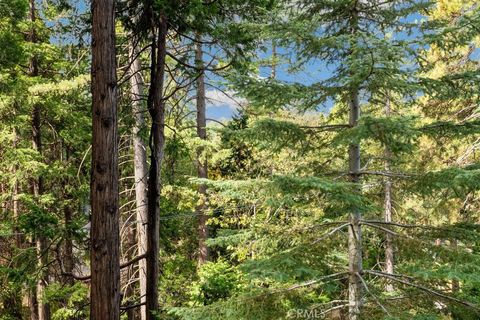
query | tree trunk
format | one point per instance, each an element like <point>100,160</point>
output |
<point>69,262</point>
<point>129,272</point>
<point>273,73</point>
<point>202,166</point>
<point>12,302</point>
<point>156,108</point>
<point>140,172</point>
<point>389,262</point>
<point>37,184</point>
<point>105,245</point>
<point>355,231</point>
<point>33,303</point>
<point>355,263</point>
<point>42,254</point>
<point>16,210</point>
<point>41,241</point>
<point>68,247</point>
<point>455,282</point>
<point>19,239</point>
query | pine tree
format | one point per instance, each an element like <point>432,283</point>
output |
<point>372,59</point>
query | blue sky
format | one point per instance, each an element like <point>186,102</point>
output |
<point>222,107</point>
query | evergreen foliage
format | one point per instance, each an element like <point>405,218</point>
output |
<point>279,194</point>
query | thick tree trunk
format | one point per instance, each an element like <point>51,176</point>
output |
<point>202,166</point>
<point>355,231</point>
<point>389,261</point>
<point>140,172</point>
<point>156,108</point>
<point>105,245</point>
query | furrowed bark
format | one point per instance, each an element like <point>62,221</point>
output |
<point>105,245</point>
<point>202,165</point>
<point>156,108</point>
<point>140,172</point>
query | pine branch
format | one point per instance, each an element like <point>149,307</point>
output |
<point>398,279</point>
<point>388,230</point>
<point>387,174</point>
<point>326,127</point>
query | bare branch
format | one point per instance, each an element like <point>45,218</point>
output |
<point>332,232</point>
<point>134,260</point>
<point>373,296</point>
<point>122,266</point>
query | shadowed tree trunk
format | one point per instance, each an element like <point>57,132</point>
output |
<point>156,108</point>
<point>202,166</point>
<point>43,310</point>
<point>140,171</point>
<point>69,262</point>
<point>12,302</point>
<point>16,210</point>
<point>105,245</point>
<point>41,241</point>
<point>68,246</point>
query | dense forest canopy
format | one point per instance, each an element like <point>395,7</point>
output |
<point>229,159</point>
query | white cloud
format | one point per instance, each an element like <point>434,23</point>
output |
<point>219,99</point>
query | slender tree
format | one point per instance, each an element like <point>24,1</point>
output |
<point>156,108</point>
<point>202,166</point>
<point>37,185</point>
<point>355,265</point>
<point>140,169</point>
<point>387,208</point>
